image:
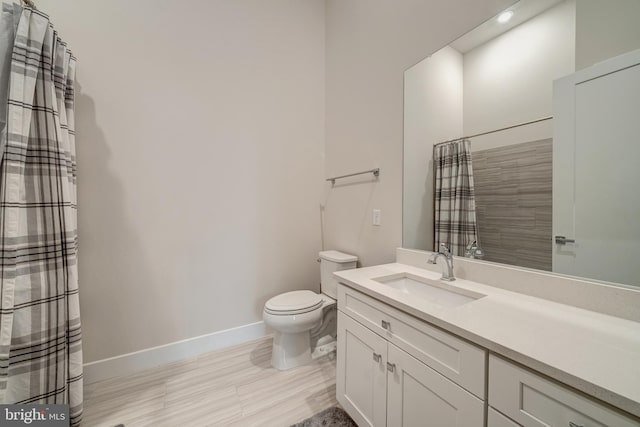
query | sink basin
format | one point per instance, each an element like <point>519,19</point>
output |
<point>433,291</point>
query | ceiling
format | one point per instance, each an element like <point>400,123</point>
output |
<point>522,11</point>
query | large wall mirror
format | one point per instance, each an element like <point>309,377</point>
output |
<point>540,108</point>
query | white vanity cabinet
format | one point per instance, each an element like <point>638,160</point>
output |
<point>394,370</point>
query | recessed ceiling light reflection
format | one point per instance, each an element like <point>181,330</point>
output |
<point>505,16</point>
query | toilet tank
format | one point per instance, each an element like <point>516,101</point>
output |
<point>331,261</point>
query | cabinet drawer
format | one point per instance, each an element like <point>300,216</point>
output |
<point>461,362</point>
<point>534,401</point>
<point>496,419</point>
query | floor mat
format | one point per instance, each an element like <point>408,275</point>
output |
<point>332,417</point>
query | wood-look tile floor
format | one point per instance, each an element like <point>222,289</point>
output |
<point>235,386</point>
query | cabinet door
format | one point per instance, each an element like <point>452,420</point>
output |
<point>361,383</point>
<point>419,396</point>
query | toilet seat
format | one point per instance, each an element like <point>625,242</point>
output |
<point>295,302</point>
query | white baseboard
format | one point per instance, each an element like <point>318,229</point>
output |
<point>126,364</point>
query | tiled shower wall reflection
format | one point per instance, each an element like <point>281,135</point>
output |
<point>513,201</point>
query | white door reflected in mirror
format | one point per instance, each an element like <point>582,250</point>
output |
<point>596,118</point>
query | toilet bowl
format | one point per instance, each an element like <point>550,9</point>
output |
<point>292,315</point>
<point>292,322</point>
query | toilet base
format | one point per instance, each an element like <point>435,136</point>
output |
<point>291,350</point>
<point>324,350</point>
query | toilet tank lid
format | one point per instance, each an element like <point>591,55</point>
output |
<point>336,256</point>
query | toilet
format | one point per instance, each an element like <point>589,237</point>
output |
<point>293,315</point>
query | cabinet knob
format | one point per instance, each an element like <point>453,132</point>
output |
<point>377,357</point>
<point>386,325</point>
<point>572,424</point>
<point>391,367</point>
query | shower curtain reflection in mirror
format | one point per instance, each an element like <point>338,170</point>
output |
<point>455,206</point>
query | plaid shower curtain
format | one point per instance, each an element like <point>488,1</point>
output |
<point>455,206</point>
<point>40,338</point>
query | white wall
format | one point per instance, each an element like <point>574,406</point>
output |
<point>509,80</point>
<point>605,29</point>
<point>369,46</point>
<point>200,135</point>
<point>432,113</point>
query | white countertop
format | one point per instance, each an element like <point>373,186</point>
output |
<point>595,353</point>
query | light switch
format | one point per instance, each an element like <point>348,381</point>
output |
<point>376,216</point>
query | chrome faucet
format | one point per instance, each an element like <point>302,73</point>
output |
<point>474,250</point>
<point>447,266</point>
